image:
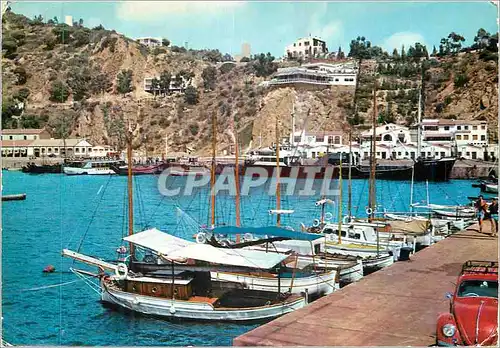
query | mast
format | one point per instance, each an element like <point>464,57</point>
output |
<point>237,178</point>
<point>419,120</point>
<point>340,200</point>
<point>129,182</point>
<point>373,159</point>
<point>349,188</point>
<point>212,172</point>
<point>278,190</point>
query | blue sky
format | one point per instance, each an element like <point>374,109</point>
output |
<point>270,26</point>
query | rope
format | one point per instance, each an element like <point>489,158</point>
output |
<point>51,286</point>
<point>93,215</point>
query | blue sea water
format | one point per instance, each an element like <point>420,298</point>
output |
<point>88,213</point>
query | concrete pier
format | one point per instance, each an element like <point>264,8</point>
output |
<point>397,306</point>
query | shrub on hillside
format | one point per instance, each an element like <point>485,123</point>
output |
<point>191,95</point>
<point>209,76</point>
<point>81,37</point>
<point>22,94</point>
<point>59,92</point>
<point>124,81</point>
<point>21,75</point>
<point>460,80</point>
<point>194,128</point>
<point>10,47</point>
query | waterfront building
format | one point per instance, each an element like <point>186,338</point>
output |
<point>59,148</point>
<point>305,48</point>
<point>24,134</point>
<point>101,151</point>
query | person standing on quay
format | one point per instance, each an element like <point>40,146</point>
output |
<point>494,216</point>
<point>481,210</point>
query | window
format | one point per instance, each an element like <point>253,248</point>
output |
<point>365,154</point>
<point>459,154</point>
<point>483,137</point>
<point>478,287</point>
<point>467,154</point>
<point>306,43</point>
<point>337,140</point>
<point>378,153</point>
<point>399,153</point>
<point>406,153</point>
<point>459,137</point>
<point>436,154</point>
<point>474,155</point>
<point>294,45</point>
<point>320,139</point>
<point>77,150</point>
<point>387,137</point>
<point>56,150</point>
<point>459,127</point>
<point>43,150</point>
<point>466,127</point>
<point>313,154</point>
<point>466,137</point>
<point>412,155</point>
<point>474,127</point>
<point>429,153</point>
<point>443,154</point>
<point>446,128</point>
<point>25,137</point>
<point>49,149</point>
<point>300,44</point>
<point>296,139</point>
<point>336,80</point>
<point>422,154</point>
<point>10,137</point>
<point>474,137</point>
<point>483,127</point>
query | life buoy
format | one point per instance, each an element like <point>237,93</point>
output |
<point>315,223</point>
<point>248,236</point>
<point>201,238</point>
<point>328,216</point>
<point>369,211</point>
<point>346,219</point>
<point>121,271</point>
<point>224,242</point>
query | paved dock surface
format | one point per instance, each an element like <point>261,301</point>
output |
<point>397,306</point>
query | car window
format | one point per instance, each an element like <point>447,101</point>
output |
<point>475,288</point>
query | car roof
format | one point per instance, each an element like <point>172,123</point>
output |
<point>479,276</point>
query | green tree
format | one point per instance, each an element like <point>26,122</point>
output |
<point>22,94</point>
<point>481,40</point>
<point>124,81</point>
<point>244,59</point>
<point>164,83</point>
<point>264,65</point>
<point>100,84</point>
<point>9,108</point>
<point>21,75</point>
<point>395,54</point>
<point>434,51</point>
<point>59,92</point>
<point>456,41</point>
<point>155,85</point>
<point>227,58</point>
<point>9,45</point>
<point>209,76</point>
<point>37,20</point>
<point>191,95</point>
<point>78,79</point>
<point>81,37</point>
<point>165,42</point>
<point>461,80</point>
<point>403,53</point>
<point>340,53</point>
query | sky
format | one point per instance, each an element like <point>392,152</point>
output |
<point>271,26</point>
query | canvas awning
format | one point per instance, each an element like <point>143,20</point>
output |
<point>233,257</point>
<point>155,240</point>
<point>266,231</point>
<point>417,227</point>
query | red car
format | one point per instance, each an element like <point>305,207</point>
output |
<point>472,319</point>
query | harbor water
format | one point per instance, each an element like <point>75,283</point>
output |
<point>89,214</point>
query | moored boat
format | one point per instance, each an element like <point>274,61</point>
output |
<point>91,167</point>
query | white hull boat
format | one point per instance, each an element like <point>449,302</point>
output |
<point>491,188</point>
<point>196,308</point>
<point>316,284</point>
<point>350,271</point>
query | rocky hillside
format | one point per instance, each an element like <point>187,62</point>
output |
<point>89,83</point>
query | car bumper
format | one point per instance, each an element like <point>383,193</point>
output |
<point>445,344</point>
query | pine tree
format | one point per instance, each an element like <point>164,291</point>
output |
<point>434,51</point>
<point>403,54</point>
<point>395,54</point>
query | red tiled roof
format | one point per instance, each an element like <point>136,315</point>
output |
<point>22,131</point>
<point>15,143</point>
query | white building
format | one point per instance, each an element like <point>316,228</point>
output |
<point>150,42</point>
<point>460,131</point>
<point>315,144</point>
<point>68,20</point>
<point>305,48</point>
<point>60,148</point>
<point>24,134</point>
<point>174,85</point>
<point>101,151</point>
<point>316,74</point>
<point>246,51</point>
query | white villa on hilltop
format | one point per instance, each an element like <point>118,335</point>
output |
<point>305,48</point>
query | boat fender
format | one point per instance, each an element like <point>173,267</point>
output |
<point>315,223</point>
<point>172,309</point>
<point>121,271</point>
<point>369,211</point>
<point>248,236</point>
<point>201,238</point>
<point>135,301</point>
<point>224,242</point>
<point>328,216</point>
<point>345,220</point>
<point>268,303</point>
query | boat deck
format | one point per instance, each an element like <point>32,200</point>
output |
<point>397,306</point>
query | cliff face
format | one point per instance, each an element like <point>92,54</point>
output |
<point>88,62</point>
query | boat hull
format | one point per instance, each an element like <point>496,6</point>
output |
<point>140,170</point>
<point>42,169</point>
<point>191,310</point>
<point>318,284</point>
<point>90,171</point>
<point>350,271</point>
<point>376,263</point>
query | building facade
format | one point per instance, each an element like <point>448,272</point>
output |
<point>175,85</point>
<point>24,134</point>
<point>305,48</point>
<point>150,42</point>
<point>320,74</point>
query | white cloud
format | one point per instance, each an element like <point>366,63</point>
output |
<point>153,10</point>
<point>331,31</point>
<point>402,38</point>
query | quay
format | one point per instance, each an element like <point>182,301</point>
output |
<point>396,306</point>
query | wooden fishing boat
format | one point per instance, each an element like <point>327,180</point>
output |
<point>140,169</point>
